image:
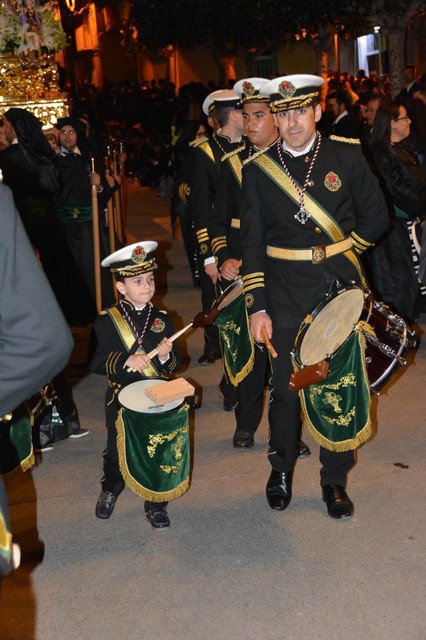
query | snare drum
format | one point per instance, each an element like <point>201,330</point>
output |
<point>335,319</point>
<point>133,398</point>
<point>153,443</point>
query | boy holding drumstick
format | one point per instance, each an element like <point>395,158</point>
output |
<point>123,336</point>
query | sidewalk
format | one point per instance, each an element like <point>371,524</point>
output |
<point>228,568</point>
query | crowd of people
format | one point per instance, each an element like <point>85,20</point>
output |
<point>297,185</point>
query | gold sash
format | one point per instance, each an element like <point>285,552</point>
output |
<point>315,210</point>
<point>128,338</point>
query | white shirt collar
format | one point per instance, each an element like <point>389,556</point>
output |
<point>296,154</point>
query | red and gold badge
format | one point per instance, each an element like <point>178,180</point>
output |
<point>332,181</point>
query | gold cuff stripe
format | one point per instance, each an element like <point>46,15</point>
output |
<point>202,235</point>
<point>360,241</point>
<point>254,286</point>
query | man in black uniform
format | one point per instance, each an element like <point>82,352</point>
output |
<point>204,183</point>
<point>224,231</point>
<point>295,195</point>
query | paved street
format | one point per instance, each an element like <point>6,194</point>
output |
<point>228,568</point>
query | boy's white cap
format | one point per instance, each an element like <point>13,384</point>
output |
<point>292,92</point>
<point>132,260</point>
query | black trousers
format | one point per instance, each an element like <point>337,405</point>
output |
<point>250,393</point>
<point>208,296</point>
<point>285,419</point>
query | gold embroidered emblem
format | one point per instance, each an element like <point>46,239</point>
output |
<point>286,89</point>
<point>204,248</point>
<point>248,88</point>
<point>249,300</point>
<point>332,181</point>
<point>158,325</point>
<point>138,255</point>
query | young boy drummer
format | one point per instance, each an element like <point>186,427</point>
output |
<point>123,335</point>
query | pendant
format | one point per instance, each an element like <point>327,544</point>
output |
<point>302,215</point>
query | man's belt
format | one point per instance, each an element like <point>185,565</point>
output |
<point>74,214</point>
<point>316,255</point>
<point>235,223</point>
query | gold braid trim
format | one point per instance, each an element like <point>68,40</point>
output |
<point>317,213</point>
<point>348,140</point>
<point>241,374</point>
<point>232,153</point>
<point>5,537</point>
<point>196,143</point>
<point>131,482</point>
<point>258,153</point>
<point>205,146</point>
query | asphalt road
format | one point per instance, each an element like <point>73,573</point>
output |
<point>228,567</point>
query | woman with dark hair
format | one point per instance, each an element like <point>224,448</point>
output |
<point>390,264</point>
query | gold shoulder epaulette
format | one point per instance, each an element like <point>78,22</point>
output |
<point>347,140</point>
<point>259,153</point>
<point>163,311</point>
<point>254,156</point>
<point>233,152</point>
<point>198,141</point>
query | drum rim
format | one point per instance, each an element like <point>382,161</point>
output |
<point>237,282</point>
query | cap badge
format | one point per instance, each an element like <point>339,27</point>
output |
<point>286,89</point>
<point>138,255</point>
<point>248,88</point>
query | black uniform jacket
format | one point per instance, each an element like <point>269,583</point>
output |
<point>224,223</point>
<point>108,353</point>
<point>204,181</point>
<point>343,184</point>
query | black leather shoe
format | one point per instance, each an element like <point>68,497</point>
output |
<point>339,505</point>
<point>156,514</point>
<point>229,403</point>
<point>243,440</point>
<point>207,358</point>
<point>278,489</point>
<point>303,451</point>
<point>105,504</point>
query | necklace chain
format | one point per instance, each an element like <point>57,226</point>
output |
<point>218,144</point>
<point>140,335</point>
<point>302,215</point>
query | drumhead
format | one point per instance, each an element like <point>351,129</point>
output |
<point>134,397</point>
<point>333,323</point>
<point>233,291</point>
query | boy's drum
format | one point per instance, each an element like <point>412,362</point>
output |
<point>134,398</point>
<point>388,336</point>
<point>153,443</point>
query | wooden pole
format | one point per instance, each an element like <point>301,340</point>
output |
<point>123,190</point>
<point>96,244</point>
<point>117,203</point>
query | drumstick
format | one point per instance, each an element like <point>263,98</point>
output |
<point>154,352</point>
<point>268,343</point>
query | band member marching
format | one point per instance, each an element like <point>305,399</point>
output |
<point>309,205</point>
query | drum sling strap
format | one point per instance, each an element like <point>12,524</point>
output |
<point>337,409</point>
<point>153,449</point>
<point>318,214</point>
<point>128,338</point>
